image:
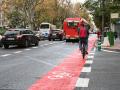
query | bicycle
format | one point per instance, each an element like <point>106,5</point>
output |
<point>83,51</point>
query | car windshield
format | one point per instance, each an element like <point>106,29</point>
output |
<point>44,26</point>
<point>12,32</point>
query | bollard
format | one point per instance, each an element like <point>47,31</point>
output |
<point>99,45</point>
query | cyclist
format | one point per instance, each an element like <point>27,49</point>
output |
<point>83,32</point>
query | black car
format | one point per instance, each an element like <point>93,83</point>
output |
<point>20,37</point>
<point>56,34</point>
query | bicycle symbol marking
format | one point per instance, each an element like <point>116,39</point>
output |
<point>60,75</point>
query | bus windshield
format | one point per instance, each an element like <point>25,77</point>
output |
<point>72,24</point>
<point>44,26</point>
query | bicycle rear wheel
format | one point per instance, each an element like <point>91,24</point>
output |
<point>83,52</point>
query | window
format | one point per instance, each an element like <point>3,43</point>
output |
<point>72,24</point>
<point>24,32</point>
<point>30,32</point>
<point>12,32</point>
<point>44,26</point>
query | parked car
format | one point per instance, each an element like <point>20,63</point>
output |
<point>56,34</point>
<point>38,34</point>
<point>20,37</point>
<point>0,40</point>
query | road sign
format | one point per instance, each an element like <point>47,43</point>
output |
<point>114,15</point>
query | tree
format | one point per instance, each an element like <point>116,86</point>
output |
<point>97,7</point>
<point>15,19</point>
<point>33,12</point>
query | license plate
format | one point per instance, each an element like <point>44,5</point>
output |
<point>54,34</point>
<point>10,39</point>
<point>72,38</point>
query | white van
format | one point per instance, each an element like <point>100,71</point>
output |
<point>45,29</point>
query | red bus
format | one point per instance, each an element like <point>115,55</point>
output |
<point>70,26</point>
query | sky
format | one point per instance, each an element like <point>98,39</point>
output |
<point>74,1</point>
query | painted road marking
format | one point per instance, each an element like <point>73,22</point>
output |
<point>27,49</point>
<point>17,52</point>
<point>52,43</point>
<point>41,61</point>
<point>86,69</point>
<point>89,62</point>
<point>110,51</point>
<point>93,51</point>
<point>91,57</point>
<point>67,71</point>
<point>5,55</point>
<point>49,44</point>
<point>34,47</point>
<point>92,54</point>
<point>82,82</point>
<point>60,75</point>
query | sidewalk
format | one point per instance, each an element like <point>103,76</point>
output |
<point>116,46</point>
<point>105,74</point>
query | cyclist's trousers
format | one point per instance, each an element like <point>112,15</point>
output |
<point>83,41</point>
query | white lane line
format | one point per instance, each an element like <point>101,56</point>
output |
<point>34,47</point>
<point>44,45</point>
<point>89,62</point>
<point>27,49</point>
<point>48,44</point>
<point>41,61</point>
<point>91,57</point>
<point>5,55</point>
<point>110,51</point>
<point>17,52</point>
<point>82,82</point>
<point>52,43</point>
<point>94,49</point>
<point>86,69</point>
<point>92,54</point>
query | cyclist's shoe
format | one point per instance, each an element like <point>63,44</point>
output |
<point>86,52</point>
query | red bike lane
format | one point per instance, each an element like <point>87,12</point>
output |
<point>65,75</point>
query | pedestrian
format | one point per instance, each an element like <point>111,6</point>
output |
<point>83,32</point>
<point>99,35</point>
<point>115,35</point>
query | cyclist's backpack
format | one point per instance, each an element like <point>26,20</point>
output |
<point>83,32</point>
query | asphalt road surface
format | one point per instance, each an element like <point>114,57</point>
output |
<point>21,67</point>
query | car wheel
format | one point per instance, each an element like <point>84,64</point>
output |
<point>61,38</point>
<point>26,43</point>
<point>6,46</point>
<point>37,43</point>
<point>49,39</point>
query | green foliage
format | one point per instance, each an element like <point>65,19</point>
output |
<point>103,6</point>
<point>2,31</point>
<point>15,19</point>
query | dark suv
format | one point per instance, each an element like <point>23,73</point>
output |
<point>56,34</point>
<point>21,37</point>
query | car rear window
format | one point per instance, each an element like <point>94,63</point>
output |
<point>12,32</point>
<point>44,26</point>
